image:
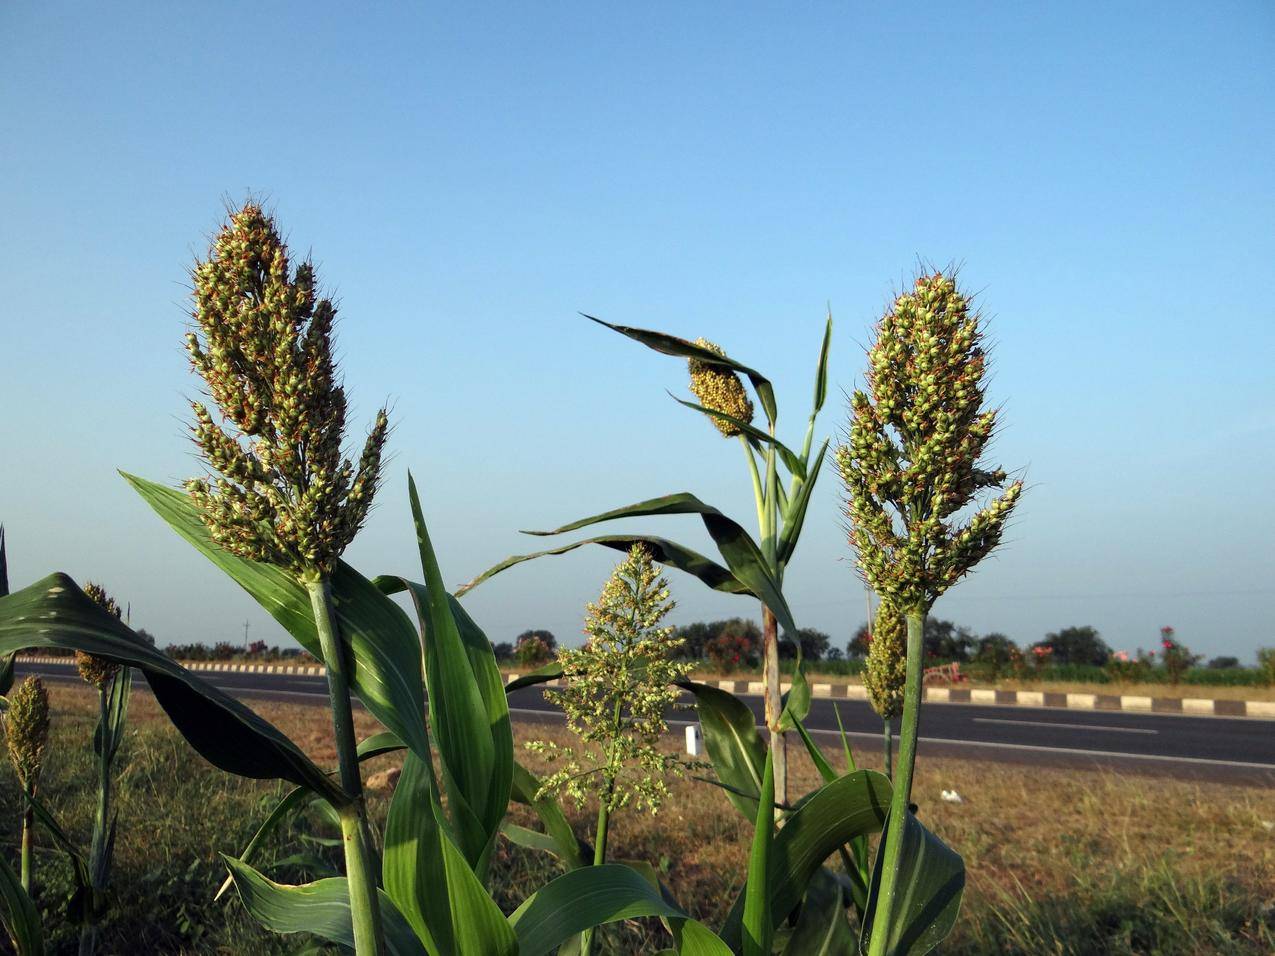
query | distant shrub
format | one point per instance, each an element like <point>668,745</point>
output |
<point>1222,663</point>
<point>1177,657</point>
<point>728,652</point>
<point>532,651</point>
<point>1266,664</point>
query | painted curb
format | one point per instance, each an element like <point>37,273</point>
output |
<point>1129,703</point>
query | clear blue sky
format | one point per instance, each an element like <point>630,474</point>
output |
<point>469,178</point>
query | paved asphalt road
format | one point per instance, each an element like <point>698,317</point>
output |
<point>1232,750</point>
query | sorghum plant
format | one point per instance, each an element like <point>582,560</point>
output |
<point>618,687</point>
<point>26,727</point>
<point>113,684</point>
<point>282,492</point>
<point>753,568</point>
<point>911,467</point>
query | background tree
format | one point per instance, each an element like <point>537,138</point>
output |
<point>1224,662</point>
<point>945,641</point>
<point>1076,645</point>
<point>814,644</point>
<point>997,653</point>
<point>546,638</point>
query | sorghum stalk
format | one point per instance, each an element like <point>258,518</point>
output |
<point>27,735</point>
<point>101,674</point>
<point>911,464</point>
<point>284,493</point>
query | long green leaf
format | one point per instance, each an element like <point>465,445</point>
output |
<point>384,648</point>
<point>541,675</point>
<point>822,928</point>
<point>566,845</point>
<point>795,513</point>
<point>429,880</point>
<point>681,348</point>
<point>738,549</point>
<point>54,612</point>
<point>852,805</point>
<point>321,908</point>
<point>381,743</point>
<point>696,939</point>
<point>79,864</point>
<point>581,899</point>
<point>929,886</point>
<point>18,913</point>
<point>792,461</point>
<point>733,742</point>
<point>662,550</point>
<point>758,926</point>
<point>821,371</point>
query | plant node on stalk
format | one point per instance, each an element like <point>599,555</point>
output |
<point>283,492</point>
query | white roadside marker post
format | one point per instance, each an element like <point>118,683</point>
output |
<point>694,740</point>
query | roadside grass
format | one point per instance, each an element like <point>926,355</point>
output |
<point>1059,862</point>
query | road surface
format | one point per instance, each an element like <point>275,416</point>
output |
<point>1230,750</point>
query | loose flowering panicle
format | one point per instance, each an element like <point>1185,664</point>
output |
<point>283,492</point>
<point>916,437</point>
<point>885,675</point>
<point>718,388</point>
<point>26,726</point>
<point>618,686</point>
<point>98,671</point>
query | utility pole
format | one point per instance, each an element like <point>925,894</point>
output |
<point>245,637</point>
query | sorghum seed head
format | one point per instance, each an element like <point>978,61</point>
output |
<point>98,671</point>
<point>718,388</point>
<point>27,730</point>
<point>885,675</point>
<point>912,459</point>
<point>282,490</point>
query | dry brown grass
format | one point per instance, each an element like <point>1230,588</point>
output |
<point>1042,845</point>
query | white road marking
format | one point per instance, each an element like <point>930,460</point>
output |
<point>1051,723</point>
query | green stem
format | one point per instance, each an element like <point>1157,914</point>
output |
<point>97,848</point>
<point>892,849</point>
<point>599,853</point>
<point>365,911</point>
<point>28,844</point>
<point>759,496</point>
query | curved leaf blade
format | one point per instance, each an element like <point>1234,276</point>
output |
<point>853,805</point>
<point>734,744</point>
<point>662,550</point>
<point>681,348</point>
<point>429,879</point>
<point>930,882</point>
<point>792,461</point>
<point>541,675</point>
<point>758,924</point>
<point>567,846</point>
<point>742,555</point>
<point>795,511</point>
<point>383,645</point>
<point>18,914</point>
<point>321,908</point>
<point>54,612</point>
<point>581,899</point>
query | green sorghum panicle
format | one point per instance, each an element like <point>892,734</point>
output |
<point>282,492</point>
<point>912,461</point>
<point>885,675</point>
<point>97,670</point>
<point>718,388</point>
<point>26,726</point>
<point>617,689</point>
